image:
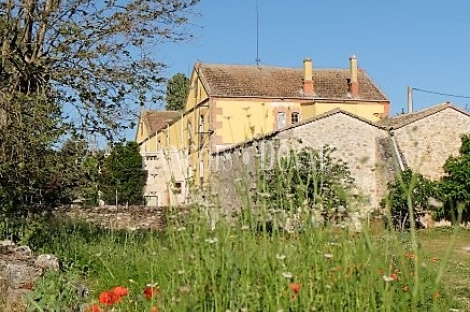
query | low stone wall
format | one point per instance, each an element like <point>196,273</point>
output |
<point>19,270</point>
<point>132,217</point>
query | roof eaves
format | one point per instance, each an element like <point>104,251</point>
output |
<point>304,122</point>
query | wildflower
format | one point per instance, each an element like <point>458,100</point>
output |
<point>381,272</point>
<point>295,287</point>
<point>287,274</point>
<point>434,259</point>
<point>328,256</point>
<point>120,291</point>
<point>436,295</point>
<point>185,289</point>
<point>264,194</point>
<point>387,279</point>
<point>94,308</point>
<point>394,276</point>
<point>212,240</point>
<point>153,309</point>
<point>280,256</point>
<point>406,288</point>
<point>109,298</point>
<point>151,291</point>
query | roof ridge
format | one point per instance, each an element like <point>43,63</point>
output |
<point>302,123</point>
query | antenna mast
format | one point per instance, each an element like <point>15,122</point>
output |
<point>257,36</point>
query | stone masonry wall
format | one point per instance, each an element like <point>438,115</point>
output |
<point>355,141</point>
<point>133,217</point>
<point>427,143</point>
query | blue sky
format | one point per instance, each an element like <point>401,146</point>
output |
<point>423,44</point>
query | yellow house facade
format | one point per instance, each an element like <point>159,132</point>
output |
<point>228,104</point>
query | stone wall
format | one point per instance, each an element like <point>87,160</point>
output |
<point>354,139</point>
<point>427,143</point>
<point>133,217</point>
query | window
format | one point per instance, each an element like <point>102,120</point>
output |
<point>201,123</point>
<point>177,187</point>
<point>294,118</point>
<point>281,120</point>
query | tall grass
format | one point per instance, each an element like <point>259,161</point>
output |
<point>239,267</point>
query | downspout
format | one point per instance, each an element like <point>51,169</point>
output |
<point>397,152</point>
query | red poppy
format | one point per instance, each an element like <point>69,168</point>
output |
<point>94,308</point>
<point>295,287</point>
<point>109,298</point>
<point>120,291</point>
<point>151,291</point>
<point>394,276</point>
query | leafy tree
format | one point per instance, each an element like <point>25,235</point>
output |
<point>455,185</point>
<point>70,66</point>
<point>122,175</point>
<point>408,189</point>
<point>29,179</point>
<point>79,171</point>
<point>177,92</point>
<point>98,56</point>
<point>308,176</point>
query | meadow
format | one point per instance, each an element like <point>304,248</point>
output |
<point>243,265</point>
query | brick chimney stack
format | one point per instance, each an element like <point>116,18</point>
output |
<point>308,84</point>
<point>353,83</point>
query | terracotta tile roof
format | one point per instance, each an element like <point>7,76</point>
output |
<point>265,81</point>
<point>156,120</point>
<point>406,119</point>
<point>304,122</point>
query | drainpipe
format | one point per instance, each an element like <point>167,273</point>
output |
<point>397,152</point>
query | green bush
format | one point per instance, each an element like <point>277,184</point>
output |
<point>454,187</point>
<point>409,190</point>
<point>308,177</point>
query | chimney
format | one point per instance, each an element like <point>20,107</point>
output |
<point>307,83</point>
<point>353,83</point>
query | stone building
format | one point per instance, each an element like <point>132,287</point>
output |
<point>230,103</point>
<point>374,151</point>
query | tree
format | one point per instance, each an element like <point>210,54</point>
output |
<point>69,66</point>
<point>97,56</point>
<point>122,175</point>
<point>455,185</point>
<point>177,92</point>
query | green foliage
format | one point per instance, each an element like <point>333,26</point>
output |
<point>408,189</point>
<point>29,125</point>
<point>123,175</point>
<point>455,185</point>
<point>202,269</point>
<point>56,292</point>
<point>307,178</point>
<point>68,67</point>
<point>90,54</point>
<point>177,92</point>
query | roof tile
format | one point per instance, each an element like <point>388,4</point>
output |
<point>266,81</point>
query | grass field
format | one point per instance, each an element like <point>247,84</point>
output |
<point>456,277</point>
<point>240,267</point>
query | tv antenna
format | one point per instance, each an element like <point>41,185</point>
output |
<point>257,36</point>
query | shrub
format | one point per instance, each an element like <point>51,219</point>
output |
<point>454,187</point>
<point>408,189</point>
<point>309,178</point>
